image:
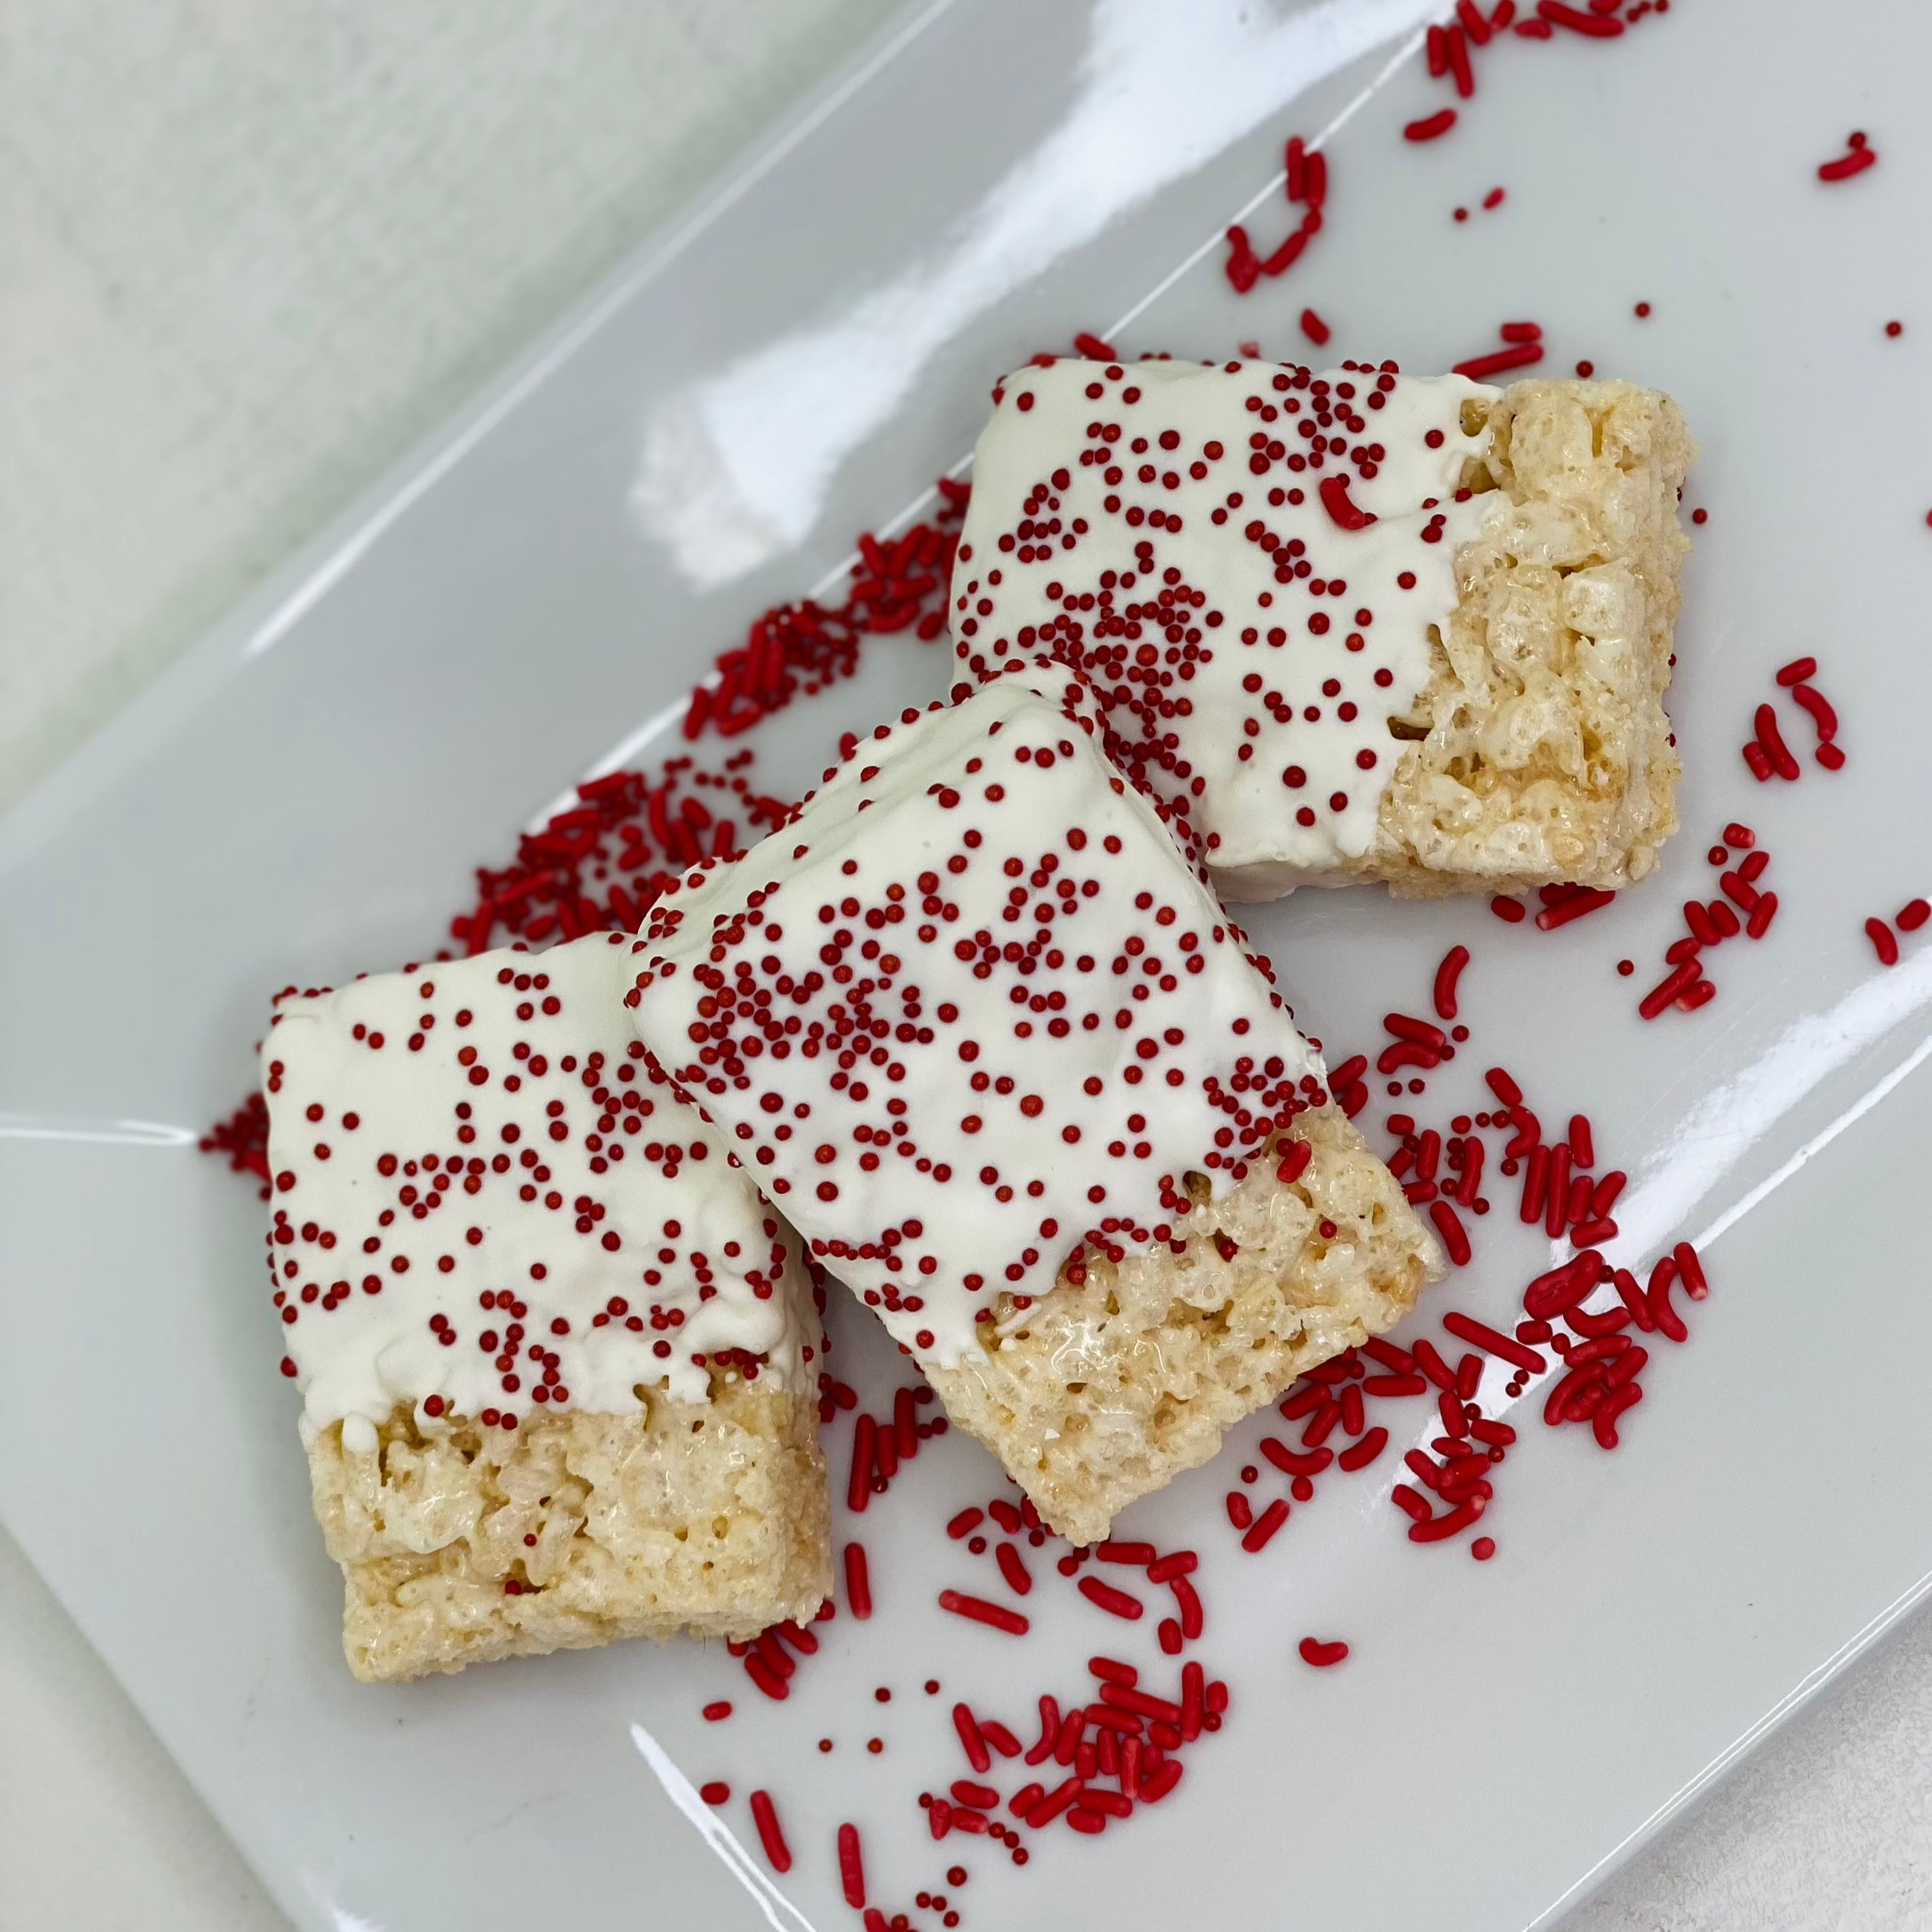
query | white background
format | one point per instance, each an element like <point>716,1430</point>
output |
<point>252,254</point>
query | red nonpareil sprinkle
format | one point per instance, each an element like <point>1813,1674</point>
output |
<point>1913,915</point>
<point>1884,943</point>
<point>1769,736</point>
<point>1093,350</point>
<point>964,1523</point>
<point>1480,368</point>
<point>1115,1603</point>
<point>1859,156</point>
<point>1591,899</point>
<point>1322,1656</point>
<point>1317,330</point>
<point>865,1458</point>
<point>978,1611</point>
<point>1459,62</point>
<point>1482,1549</point>
<point>1480,1335</point>
<point>1823,717</point>
<point>716,1713</point>
<point>1449,1225</point>
<point>1512,912</point>
<point>858,1582</point>
<point>1447,975</point>
<point>1431,127</point>
<point>765,1814</point>
<point>1598,26</point>
<point>851,1866</point>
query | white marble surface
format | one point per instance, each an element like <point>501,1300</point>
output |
<point>251,254</point>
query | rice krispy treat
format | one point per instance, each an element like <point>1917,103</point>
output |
<point>971,1019</point>
<point>1353,626</point>
<point>558,1361</point>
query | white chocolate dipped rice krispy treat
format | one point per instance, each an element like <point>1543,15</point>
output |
<point>970,1018</point>
<point>1357,626</point>
<point>559,1362</point>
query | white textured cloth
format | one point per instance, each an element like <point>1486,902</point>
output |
<point>248,255</point>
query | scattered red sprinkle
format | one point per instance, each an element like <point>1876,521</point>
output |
<point>1094,349</point>
<point>765,1814</point>
<point>713,1713</point>
<point>1574,904</point>
<point>1494,199</point>
<point>851,1866</point>
<point>1322,1656</point>
<point>1913,915</point>
<point>980,1612</point>
<point>1586,371</point>
<point>1317,330</point>
<point>1482,1549</point>
<point>1859,155</point>
<point>1895,329</point>
<point>858,1582</point>
<point>1512,912</point>
<point>1884,942</point>
<point>1431,127</point>
<point>1598,26</point>
<point>1115,1603</point>
<point>1797,671</point>
<point>715,1792</point>
<point>1480,368</point>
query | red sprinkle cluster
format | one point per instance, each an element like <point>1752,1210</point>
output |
<point>600,864</point>
<point>1307,186</point>
<point>1522,344</point>
<point>1859,155</point>
<point>1766,752</point>
<point>243,1137</point>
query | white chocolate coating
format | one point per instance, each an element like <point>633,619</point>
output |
<point>488,1126</point>
<point>1162,528</point>
<point>969,1008</point>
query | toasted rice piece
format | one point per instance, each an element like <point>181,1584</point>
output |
<point>1540,751</point>
<point>1106,1389</point>
<point>709,1517</point>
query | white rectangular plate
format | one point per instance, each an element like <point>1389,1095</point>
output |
<point>304,796</point>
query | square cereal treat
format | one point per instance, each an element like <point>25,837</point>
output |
<point>558,1361</point>
<point>1360,625</point>
<point>971,1019</point>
